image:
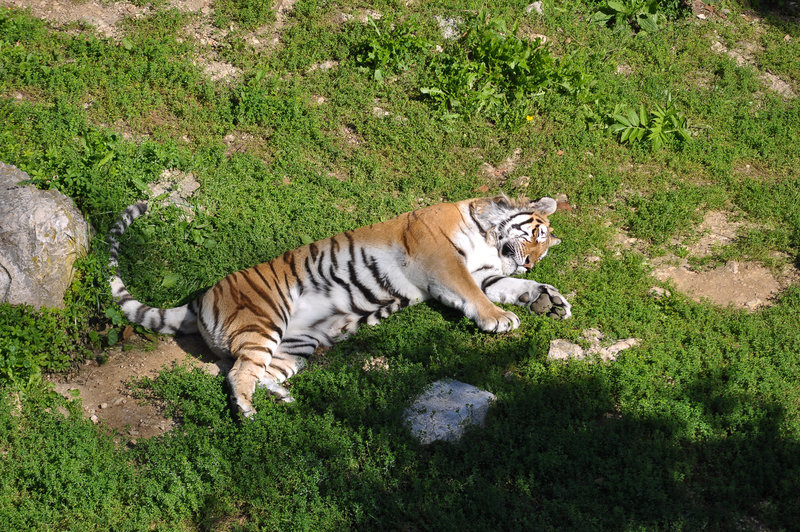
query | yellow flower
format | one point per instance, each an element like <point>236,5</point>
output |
<point>529,118</point>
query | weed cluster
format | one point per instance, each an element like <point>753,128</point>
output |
<point>658,127</point>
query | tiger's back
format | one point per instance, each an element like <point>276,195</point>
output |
<point>268,318</point>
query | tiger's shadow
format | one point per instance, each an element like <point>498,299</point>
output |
<point>196,347</point>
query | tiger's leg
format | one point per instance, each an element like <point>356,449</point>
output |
<point>536,297</point>
<point>253,353</point>
<point>283,367</point>
<point>459,290</point>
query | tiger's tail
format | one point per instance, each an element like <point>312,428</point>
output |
<point>181,319</point>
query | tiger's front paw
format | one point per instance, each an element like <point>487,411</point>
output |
<point>545,299</point>
<point>503,321</point>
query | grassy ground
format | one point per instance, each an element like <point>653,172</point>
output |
<point>697,427</point>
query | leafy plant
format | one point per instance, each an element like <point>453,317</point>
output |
<point>391,49</point>
<point>31,341</point>
<point>490,70</point>
<point>659,126</point>
<point>640,15</point>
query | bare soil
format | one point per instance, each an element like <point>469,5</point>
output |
<point>744,285</point>
<point>109,397</point>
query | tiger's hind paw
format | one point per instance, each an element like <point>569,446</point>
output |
<point>276,390</point>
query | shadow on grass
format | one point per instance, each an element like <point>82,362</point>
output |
<point>558,450</point>
<point>567,446</point>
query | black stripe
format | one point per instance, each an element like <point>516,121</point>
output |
<point>381,279</point>
<point>475,221</point>
<point>140,312</point>
<point>311,274</point>
<point>280,291</point>
<point>334,250</point>
<point>365,291</point>
<point>405,242</point>
<point>265,296</point>
<point>489,281</point>
<point>353,307</point>
<point>293,268</point>
<point>302,348</point>
<point>250,346</point>
<point>255,328</point>
<point>460,251</point>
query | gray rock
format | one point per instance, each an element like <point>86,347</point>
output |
<point>445,409</point>
<point>449,26</point>
<point>41,236</point>
<point>561,349</point>
<point>536,6</point>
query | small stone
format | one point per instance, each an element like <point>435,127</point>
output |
<point>564,350</point>
<point>118,401</point>
<point>448,26</point>
<point>94,419</point>
<point>325,65</point>
<point>103,406</point>
<point>369,14</point>
<point>754,303</point>
<point>593,336</point>
<point>656,292</point>
<point>374,363</point>
<point>535,7</point>
<point>610,353</point>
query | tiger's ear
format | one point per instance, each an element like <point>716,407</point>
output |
<point>545,206</point>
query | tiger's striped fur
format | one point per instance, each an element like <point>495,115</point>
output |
<point>268,318</point>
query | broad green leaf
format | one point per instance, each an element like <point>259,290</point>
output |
<point>617,6</point>
<point>170,280</point>
<point>633,118</point>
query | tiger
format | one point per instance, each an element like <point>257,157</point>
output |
<point>269,318</point>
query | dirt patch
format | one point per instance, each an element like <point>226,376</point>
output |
<point>745,285</point>
<point>716,230</point>
<point>744,54</point>
<point>107,395</point>
<point>102,15</point>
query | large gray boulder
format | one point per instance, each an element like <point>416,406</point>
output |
<point>41,236</point>
<point>445,409</point>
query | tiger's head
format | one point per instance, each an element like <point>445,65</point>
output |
<point>519,229</point>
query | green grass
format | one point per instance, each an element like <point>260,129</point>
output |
<point>697,427</point>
